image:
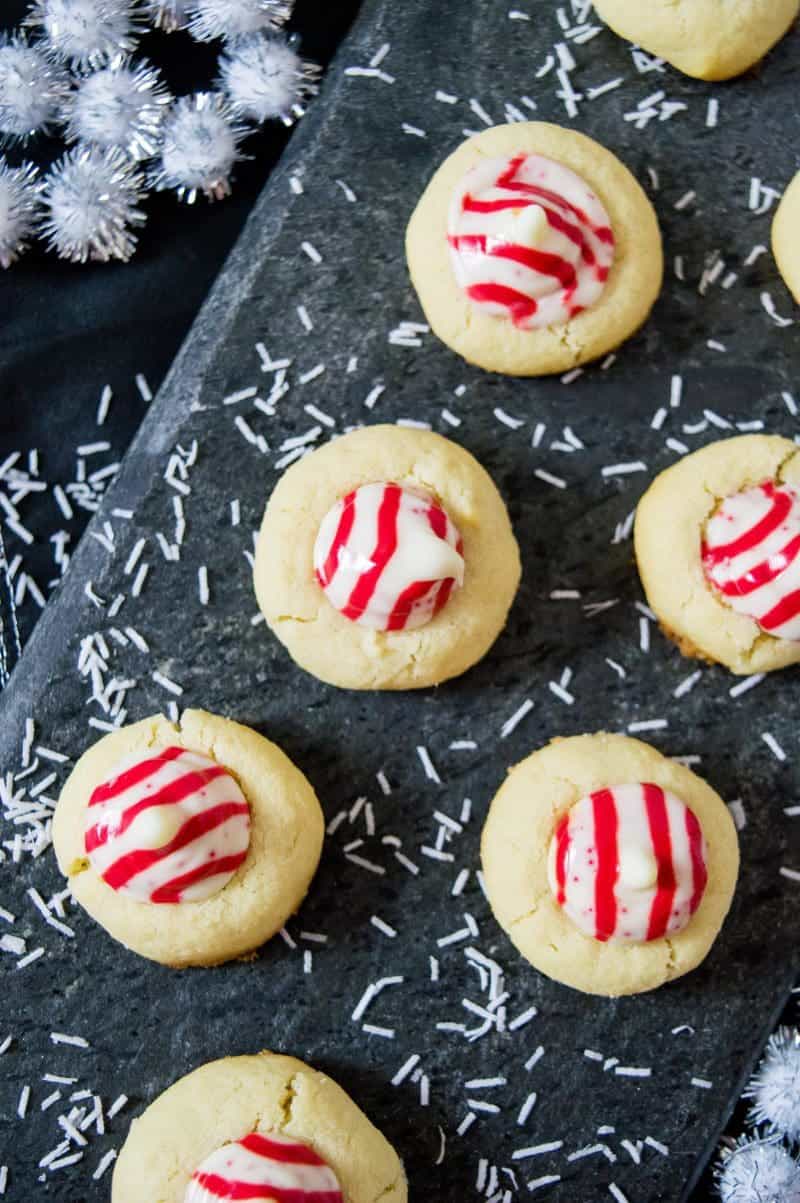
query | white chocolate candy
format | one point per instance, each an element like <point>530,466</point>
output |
<point>388,557</point>
<point>269,1167</point>
<point>628,863</point>
<point>529,240</point>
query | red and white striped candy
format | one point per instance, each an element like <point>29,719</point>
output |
<point>171,827</point>
<point>264,1167</point>
<point>529,240</point>
<point>751,554</point>
<point>628,863</point>
<point>388,557</point>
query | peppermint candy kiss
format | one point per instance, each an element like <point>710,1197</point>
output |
<point>174,827</point>
<point>628,863</point>
<point>751,555</point>
<point>388,557</point>
<point>529,240</point>
<point>264,1167</point>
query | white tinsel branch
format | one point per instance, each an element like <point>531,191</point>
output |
<point>200,148</point>
<point>31,89</point>
<point>265,78</point>
<point>91,201</point>
<point>87,33</point>
<point>758,1170</point>
<point>229,19</point>
<point>123,104</point>
<point>775,1087</point>
<point>19,209</point>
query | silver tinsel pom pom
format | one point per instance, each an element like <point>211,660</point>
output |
<point>123,104</point>
<point>31,89</point>
<point>758,1171</point>
<point>229,19</point>
<point>265,77</point>
<point>90,198</point>
<point>19,209</point>
<point>168,15</point>
<point>775,1087</point>
<point>200,148</point>
<point>87,33</point>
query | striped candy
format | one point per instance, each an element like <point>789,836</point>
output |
<point>173,827</point>
<point>264,1167</point>
<point>751,554</point>
<point>628,863</point>
<point>388,557</point>
<point>529,240</point>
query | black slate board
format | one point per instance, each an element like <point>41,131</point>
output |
<point>146,1025</point>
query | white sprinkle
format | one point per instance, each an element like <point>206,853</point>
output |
<point>632,1071</point>
<point>467,1122</point>
<point>480,1105</point>
<point>62,1038</point>
<point>591,93</point>
<point>572,376</point>
<point>618,669</point>
<point>537,1150</point>
<point>287,939</point>
<point>507,420</point>
<point>143,387</point>
<point>105,1161</point>
<point>590,1151</point>
<point>166,683</point>
<point>117,1105</point>
<point>790,403</point>
<point>373,395</point>
<point>413,129</point>
<point>526,1108</point>
<point>650,724</point>
<point>714,345</point>
<point>446,97</point>
<point>62,502</point>
<point>687,684</point>
<point>657,1145</point>
<point>516,718</point>
<point>535,1056</point>
<point>103,406</point>
<point>592,1054</point>
<point>459,883</point>
<point>33,955</point>
<point>549,479</point>
<point>307,960</point>
<point>365,864</point>
<point>427,764</point>
<point>406,863</point>
<point>522,1019</point>
<point>702,1083</point>
<point>746,684</point>
<point>685,200</point>
<point>791,874</point>
<point>312,374</point>
<point>480,112</point>
<point>244,394</point>
<point>22,1105</point>
<point>644,634</point>
<point>545,1180</point>
<point>311,251</point>
<point>659,417</point>
<point>623,469</point>
<point>136,639</point>
<point>712,113</point>
<point>391,932</point>
<point>769,306</point>
<point>371,1030</point>
<point>296,185</point>
<point>773,746</point>
<point>139,579</point>
<point>614,1190</point>
<point>348,191</point>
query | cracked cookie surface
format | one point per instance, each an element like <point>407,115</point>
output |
<point>523,816</point>
<point>670,521</point>
<point>318,637</point>
<point>226,1100</point>
<point>286,834</point>
<point>495,343</point>
<point>785,245</point>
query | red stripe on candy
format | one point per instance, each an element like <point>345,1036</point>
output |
<point>170,794</point>
<point>786,609</point>
<point>699,870</point>
<point>292,1154</point>
<point>405,602</point>
<point>658,820</point>
<point>778,512</point>
<point>226,1188</point>
<point>172,890</point>
<point>543,262</point>
<point>520,306</point>
<point>385,547</point>
<point>346,520</point>
<point>606,823</point>
<point>131,863</point>
<point>139,772</point>
<point>562,846</point>
<point>763,573</point>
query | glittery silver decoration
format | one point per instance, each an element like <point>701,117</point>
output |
<point>200,148</point>
<point>19,209</point>
<point>758,1171</point>
<point>31,89</point>
<point>168,15</point>
<point>87,33</point>
<point>123,104</point>
<point>229,19</point>
<point>90,198</point>
<point>775,1087</point>
<point>265,78</point>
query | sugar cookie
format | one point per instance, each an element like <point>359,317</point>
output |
<point>191,842</point>
<point>386,560</point>
<point>533,249</point>
<point>709,39</point>
<point>609,866</point>
<point>717,540</point>
<point>236,1127</point>
<point>785,243</point>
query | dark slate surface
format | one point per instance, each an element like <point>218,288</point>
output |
<point>147,1025</point>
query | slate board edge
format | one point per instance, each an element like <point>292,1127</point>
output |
<point>181,387</point>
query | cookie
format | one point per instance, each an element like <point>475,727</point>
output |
<point>192,842</point>
<point>236,1127</point>
<point>709,39</point>
<point>785,245</point>
<point>533,249</point>
<point>386,560</point>
<point>609,866</point>
<point>717,539</point>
